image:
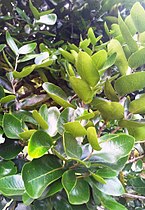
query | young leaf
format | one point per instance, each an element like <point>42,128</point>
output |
<point>137,59</point>
<point>34,10</point>
<point>25,71</point>
<point>92,138</point>
<point>28,48</point>
<point>137,106</point>
<point>130,83</point>
<point>91,35</point>
<point>71,146</point>
<point>40,119</point>
<point>11,43</point>
<point>27,134</point>
<point>86,69</point>
<point>114,46</point>
<point>106,172</point>
<point>130,24</point>
<point>75,128</point>
<point>99,58</point>
<point>110,92</point>
<point>39,144</point>
<point>82,89</point>
<point>68,56</point>
<point>57,94</point>
<point>46,170</point>
<point>7,99</point>
<point>98,178</point>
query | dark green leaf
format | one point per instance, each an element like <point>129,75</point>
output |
<point>138,185</point>
<point>27,200</point>
<point>69,181</point>
<point>2,93</point>
<point>7,168</point>
<point>34,10</point>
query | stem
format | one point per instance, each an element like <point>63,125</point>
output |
<point>101,129</point>
<point>116,129</point>
<point>128,195</point>
<point>135,159</point>
<point>16,63</point>
<point>8,205</point>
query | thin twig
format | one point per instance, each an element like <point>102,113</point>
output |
<point>135,159</point>
<point>101,129</point>
<point>128,195</point>
<point>8,204</point>
<point>116,129</point>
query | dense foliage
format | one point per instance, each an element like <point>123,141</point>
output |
<point>72,125</point>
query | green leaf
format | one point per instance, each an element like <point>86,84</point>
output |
<point>92,138</point>
<point>75,129</point>
<point>28,57</point>
<point>10,149</point>
<point>127,35</point>
<point>138,185</point>
<point>23,15</point>
<point>82,89</point>
<point>110,92</point>
<point>47,19</point>
<point>27,134</point>
<point>11,43</point>
<point>2,46</point>
<point>99,58</point>
<point>40,119</point>
<point>54,188</point>
<point>7,168</point>
<point>69,181</point>
<point>130,24</point>
<point>57,94</point>
<point>112,187</point>
<point>46,170</point>
<point>40,142</point>
<point>109,110</point>
<point>91,35</point>
<point>112,204</point>
<point>71,146</point>
<point>114,147</point>
<point>86,69</point>
<point>106,172</point>
<point>2,92</point>
<point>114,46</point>
<point>110,61</point>
<point>98,178</point>
<point>137,106</point>
<point>130,83</point>
<point>25,71</point>
<point>137,59</point>
<point>27,200</point>
<point>7,99</point>
<point>28,48</point>
<point>138,16</point>
<point>68,56</point>
<point>34,10</point>
<point>12,185</point>
<point>12,126</point>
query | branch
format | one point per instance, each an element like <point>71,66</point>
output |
<point>128,195</point>
<point>135,159</point>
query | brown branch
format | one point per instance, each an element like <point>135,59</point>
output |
<point>135,159</point>
<point>132,196</point>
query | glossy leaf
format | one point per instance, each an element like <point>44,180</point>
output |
<point>92,138</point>
<point>7,99</point>
<point>109,110</point>
<point>130,24</point>
<point>28,48</point>
<point>69,181</point>
<point>71,146</point>
<point>121,62</point>
<point>137,106</point>
<point>130,83</point>
<point>27,200</point>
<point>109,62</point>
<point>46,170</point>
<point>34,10</point>
<point>12,185</point>
<point>27,134</point>
<point>40,119</point>
<point>86,69</point>
<point>47,19</point>
<point>106,172</point>
<point>112,187</point>
<point>138,185</point>
<point>138,16</point>
<point>57,94</point>
<point>137,58</point>
<point>82,89</point>
<point>12,126</point>
<point>54,188</point>
<point>39,144</point>
<point>11,43</point>
<point>112,204</point>
<point>75,129</point>
<point>115,147</point>
<point>25,71</point>
<point>99,58</point>
<point>127,35</point>
<point>7,168</point>
<point>98,178</point>
<point>110,92</point>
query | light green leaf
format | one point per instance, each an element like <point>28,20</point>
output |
<point>114,147</point>
<point>138,16</point>
<point>27,134</point>
<point>137,59</point>
<point>127,35</point>
<point>11,43</point>
<point>91,35</point>
<point>57,94</point>
<point>40,142</point>
<point>112,187</point>
<point>130,83</point>
<point>114,46</point>
<point>2,92</point>
<point>92,138</point>
<point>12,185</point>
<point>131,124</point>
<point>112,204</point>
<point>130,24</point>
<point>7,168</point>
<point>82,89</point>
<point>2,46</point>
<point>106,172</point>
<point>110,61</point>
<point>7,99</point>
<point>109,110</point>
<point>12,126</point>
<point>40,119</point>
<point>68,56</point>
<point>137,106</point>
<point>71,146</point>
<point>98,178</point>
<point>99,58</point>
<point>25,71</point>
<point>110,92</point>
<point>46,170</point>
<point>34,10</point>
<point>28,57</point>
<point>47,19</point>
<point>28,48</point>
<point>86,69</point>
<point>75,129</point>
